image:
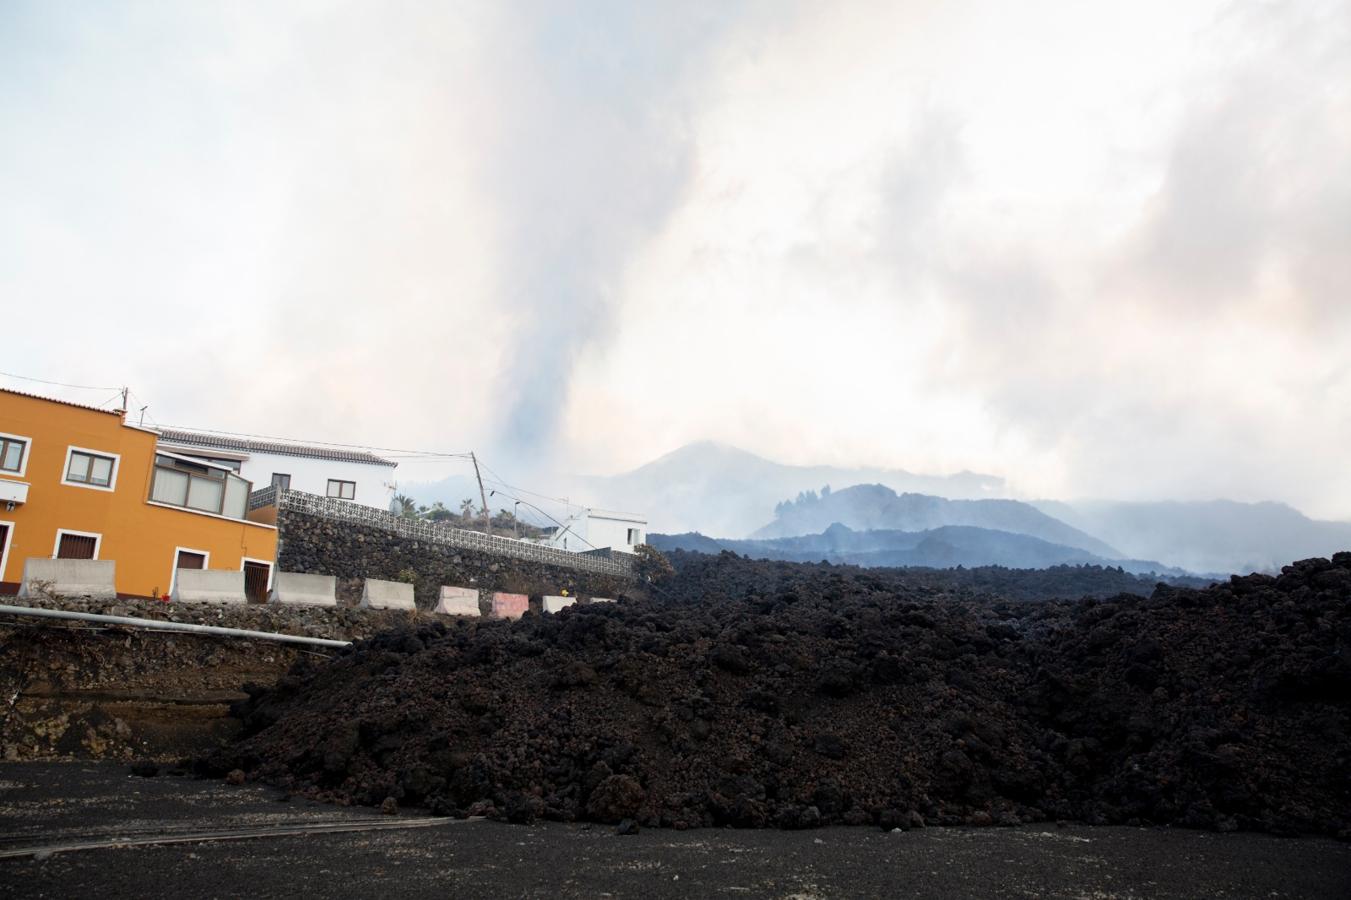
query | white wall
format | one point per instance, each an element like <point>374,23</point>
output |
<point>596,531</point>
<point>374,483</point>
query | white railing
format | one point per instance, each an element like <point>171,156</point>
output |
<point>618,564</point>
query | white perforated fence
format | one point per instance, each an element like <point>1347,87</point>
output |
<point>605,563</point>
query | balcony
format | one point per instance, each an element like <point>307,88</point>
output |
<point>12,493</point>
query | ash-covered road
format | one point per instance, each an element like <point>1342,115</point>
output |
<point>52,805</point>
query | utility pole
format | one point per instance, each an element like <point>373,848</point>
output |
<point>487,516</point>
<point>125,392</point>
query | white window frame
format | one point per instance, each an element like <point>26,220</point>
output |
<point>271,568</point>
<point>173,565</point>
<point>4,551</point>
<point>98,540</point>
<point>112,480</point>
<point>23,458</point>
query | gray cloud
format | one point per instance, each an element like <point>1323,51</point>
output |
<point>437,226</point>
<point>595,156</point>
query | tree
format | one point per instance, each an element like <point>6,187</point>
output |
<point>404,505</point>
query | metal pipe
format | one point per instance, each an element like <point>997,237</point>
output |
<point>156,625</point>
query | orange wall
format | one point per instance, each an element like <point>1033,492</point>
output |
<point>139,536</point>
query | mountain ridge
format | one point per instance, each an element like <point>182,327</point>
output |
<point>947,546</point>
<point>874,507</point>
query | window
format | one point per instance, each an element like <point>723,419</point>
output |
<point>343,490</point>
<point>88,468</point>
<point>635,537</point>
<point>179,482</point>
<point>76,545</point>
<point>12,452</point>
<point>281,481</point>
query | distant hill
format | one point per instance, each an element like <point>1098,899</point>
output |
<point>705,486</point>
<point>944,547</point>
<point>718,489</point>
<point>1211,536</point>
<point>872,507</point>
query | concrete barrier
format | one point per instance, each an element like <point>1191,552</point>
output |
<point>304,590</point>
<point>510,606</point>
<point>94,578</point>
<point>554,604</point>
<point>379,594</point>
<point>208,586</point>
<point>602,600</point>
<point>457,601</point>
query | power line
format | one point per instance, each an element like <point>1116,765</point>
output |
<point>549,517</point>
<point>81,387</point>
<point>497,479</point>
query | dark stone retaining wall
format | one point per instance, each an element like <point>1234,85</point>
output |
<point>354,552</point>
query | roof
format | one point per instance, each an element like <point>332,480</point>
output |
<point>221,442</point>
<point>98,409</point>
<point>616,515</point>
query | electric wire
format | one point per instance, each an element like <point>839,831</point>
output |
<point>80,387</point>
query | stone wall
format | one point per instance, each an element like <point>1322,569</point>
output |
<point>353,551</point>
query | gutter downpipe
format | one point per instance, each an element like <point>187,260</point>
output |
<point>154,625</point>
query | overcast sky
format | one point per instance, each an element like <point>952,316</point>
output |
<point>1100,249</point>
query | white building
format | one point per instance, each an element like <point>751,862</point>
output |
<point>599,529</point>
<point>354,475</point>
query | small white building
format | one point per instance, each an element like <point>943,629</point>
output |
<point>600,529</point>
<point>354,475</point>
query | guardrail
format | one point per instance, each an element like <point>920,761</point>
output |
<point>614,563</point>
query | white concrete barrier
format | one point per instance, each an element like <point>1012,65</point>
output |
<point>554,604</point>
<point>379,594</point>
<point>457,601</point>
<point>304,590</point>
<point>208,586</point>
<point>602,600</point>
<point>93,578</point>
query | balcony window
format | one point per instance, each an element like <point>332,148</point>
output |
<point>209,489</point>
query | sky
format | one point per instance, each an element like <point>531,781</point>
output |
<point>1098,249</point>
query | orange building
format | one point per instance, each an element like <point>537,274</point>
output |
<point>79,482</point>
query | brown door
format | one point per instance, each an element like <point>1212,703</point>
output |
<point>189,560</point>
<point>76,546</point>
<point>255,581</point>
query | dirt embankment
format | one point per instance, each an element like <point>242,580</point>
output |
<point>773,694</point>
<point>72,690</point>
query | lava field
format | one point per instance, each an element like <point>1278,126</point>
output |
<point>764,694</point>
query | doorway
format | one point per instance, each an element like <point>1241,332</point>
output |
<point>256,577</point>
